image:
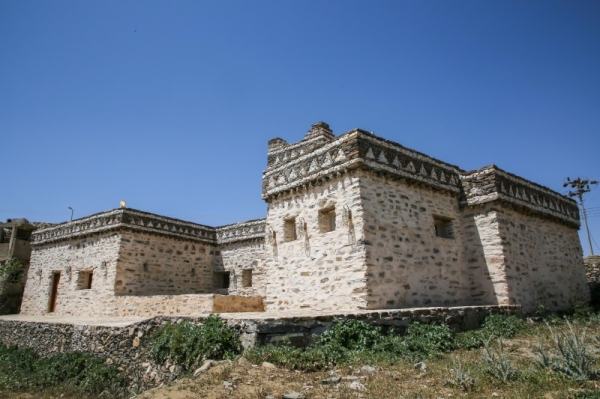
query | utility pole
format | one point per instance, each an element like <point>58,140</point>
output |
<point>581,187</point>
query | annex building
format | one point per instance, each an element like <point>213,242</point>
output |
<point>354,222</point>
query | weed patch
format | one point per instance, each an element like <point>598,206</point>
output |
<point>75,372</point>
<point>572,355</point>
<point>188,344</point>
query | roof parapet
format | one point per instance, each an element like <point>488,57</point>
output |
<point>491,183</point>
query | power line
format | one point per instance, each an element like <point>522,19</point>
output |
<point>581,186</point>
<point>595,242</point>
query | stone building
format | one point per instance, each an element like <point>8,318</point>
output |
<point>15,237</point>
<point>354,222</point>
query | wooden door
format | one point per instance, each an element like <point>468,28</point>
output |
<point>54,292</point>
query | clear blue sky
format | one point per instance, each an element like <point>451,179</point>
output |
<point>169,105</point>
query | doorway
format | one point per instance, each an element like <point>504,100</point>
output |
<point>54,292</point>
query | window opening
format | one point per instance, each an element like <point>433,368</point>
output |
<point>247,278</point>
<point>327,220</point>
<point>443,227</point>
<point>221,279</point>
<point>84,280</point>
<point>53,291</point>
<point>289,230</point>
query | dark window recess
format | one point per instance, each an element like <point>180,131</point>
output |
<point>221,279</point>
<point>443,227</point>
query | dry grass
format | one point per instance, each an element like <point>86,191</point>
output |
<point>393,381</point>
<point>400,380</point>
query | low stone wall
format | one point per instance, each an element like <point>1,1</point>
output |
<point>128,347</point>
<point>301,328</point>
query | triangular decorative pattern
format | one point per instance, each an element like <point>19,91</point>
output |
<point>370,154</point>
<point>382,157</point>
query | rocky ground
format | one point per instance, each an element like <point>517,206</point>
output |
<point>244,380</point>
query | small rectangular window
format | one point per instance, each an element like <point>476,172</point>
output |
<point>84,280</point>
<point>247,278</point>
<point>327,220</point>
<point>443,227</point>
<point>221,279</point>
<point>289,230</point>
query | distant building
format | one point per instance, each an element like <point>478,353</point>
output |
<point>353,222</point>
<point>15,238</point>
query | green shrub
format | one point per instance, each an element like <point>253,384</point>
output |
<point>351,335</point>
<point>17,367</point>
<point>316,357</point>
<point>423,341</point>
<point>75,372</point>
<point>11,271</point>
<point>582,311</point>
<point>283,355</point>
<point>188,344</point>
<point>495,326</point>
<point>502,326</point>
<point>588,395</point>
<point>470,339</point>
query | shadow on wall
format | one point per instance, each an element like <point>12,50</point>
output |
<point>542,263</point>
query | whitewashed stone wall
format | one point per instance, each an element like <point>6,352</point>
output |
<point>96,254</point>
<point>237,257</point>
<point>164,305</point>
<point>407,264</point>
<point>317,271</point>
<point>484,256</point>
<point>158,265</point>
<point>133,274</point>
<point>543,262</point>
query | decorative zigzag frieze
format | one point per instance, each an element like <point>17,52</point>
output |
<point>491,183</point>
<point>125,218</point>
<point>244,231</point>
<point>294,151</point>
<point>408,163</point>
<point>357,148</point>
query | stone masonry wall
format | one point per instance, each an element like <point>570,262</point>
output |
<point>158,265</point>
<point>244,257</point>
<point>484,256</point>
<point>317,270</point>
<point>543,262</point>
<point>164,305</point>
<point>407,264</point>
<point>96,254</point>
<point>592,268</point>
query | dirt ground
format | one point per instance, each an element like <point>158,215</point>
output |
<point>232,380</point>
